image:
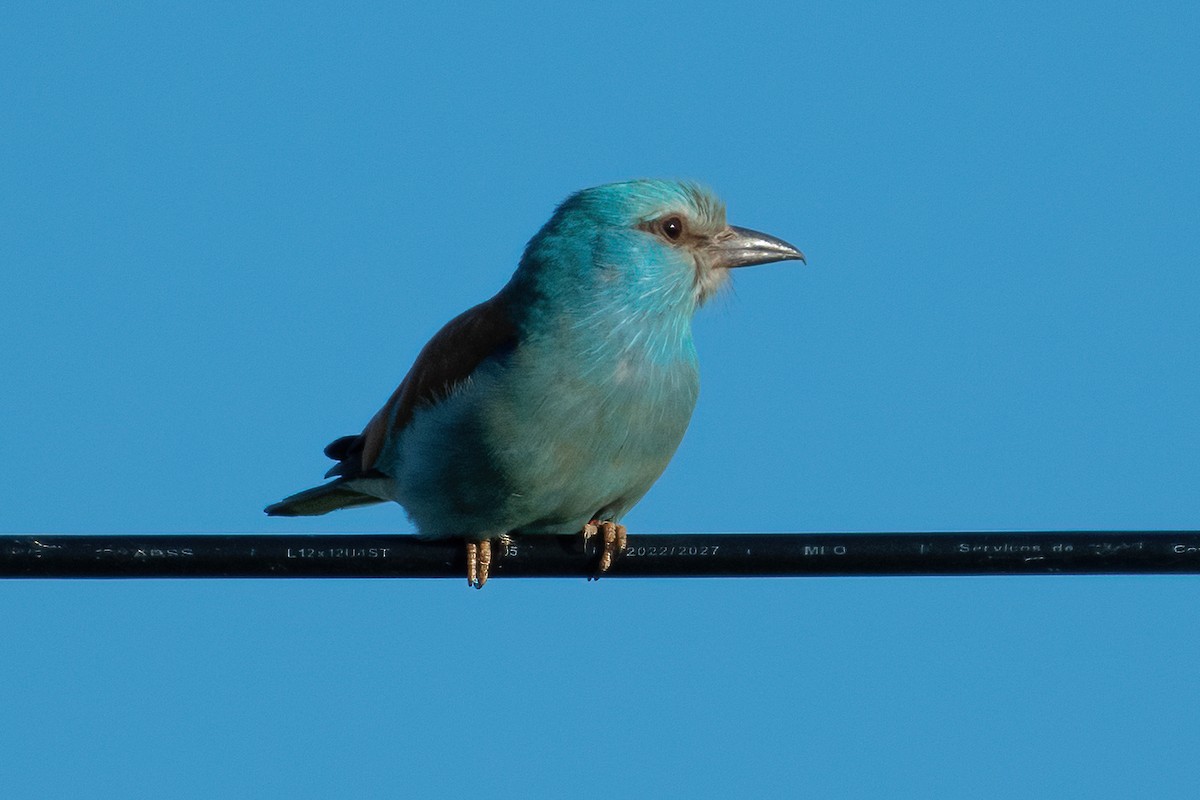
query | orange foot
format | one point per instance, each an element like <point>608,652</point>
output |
<point>479,560</point>
<point>614,543</point>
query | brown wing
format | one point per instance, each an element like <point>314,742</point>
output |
<point>448,359</point>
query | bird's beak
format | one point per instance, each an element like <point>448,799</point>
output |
<point>742,247</point>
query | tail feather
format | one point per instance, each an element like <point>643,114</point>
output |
<point>320,500</point>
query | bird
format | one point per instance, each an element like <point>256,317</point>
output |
<point>552,407</point>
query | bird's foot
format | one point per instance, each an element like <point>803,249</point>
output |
<point>614,540</point>
<point>479,561</point>
<point>479,558</point>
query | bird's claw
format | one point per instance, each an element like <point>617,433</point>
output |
<point>479,560</point>
<point>613,538</point>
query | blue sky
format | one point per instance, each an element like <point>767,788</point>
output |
<point>225,233</point>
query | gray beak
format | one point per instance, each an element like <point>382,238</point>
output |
<point>742,247</point>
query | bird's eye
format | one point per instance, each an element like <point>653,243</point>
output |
<point>672,228</point>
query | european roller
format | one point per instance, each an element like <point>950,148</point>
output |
<point>554,406</point>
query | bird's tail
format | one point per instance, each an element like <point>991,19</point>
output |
<point>320,500</point>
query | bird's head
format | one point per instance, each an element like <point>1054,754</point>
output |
<point>654,242</point>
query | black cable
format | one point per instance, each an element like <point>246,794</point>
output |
<point>648,556</point>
